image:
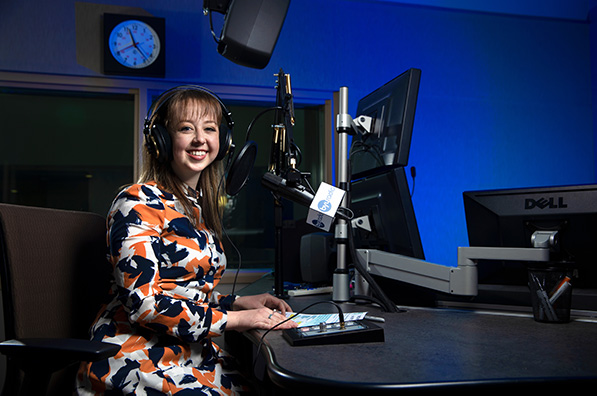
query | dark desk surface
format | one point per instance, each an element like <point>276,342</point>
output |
<point>427,348</point>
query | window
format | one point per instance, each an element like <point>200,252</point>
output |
<point>74,150</point>
<point>65,149</point>
<point>249,217</point>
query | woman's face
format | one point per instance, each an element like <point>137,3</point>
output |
<point>195,140</point>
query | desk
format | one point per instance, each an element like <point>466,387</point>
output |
<point>429,349</point>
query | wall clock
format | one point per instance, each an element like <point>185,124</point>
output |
<point>134,45</point>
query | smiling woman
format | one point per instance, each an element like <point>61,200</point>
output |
<point>170,121</point>
<point>195,141</point>
<point>164,244</point>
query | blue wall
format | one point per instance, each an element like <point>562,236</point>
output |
<point>505,101</point>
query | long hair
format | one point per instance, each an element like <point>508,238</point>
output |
<point>211,183</point>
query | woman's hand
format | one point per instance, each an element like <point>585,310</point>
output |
<point>262,311</point>
<point>262,318</point>
<point>260,301</point>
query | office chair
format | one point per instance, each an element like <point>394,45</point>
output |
<point>55,276</point>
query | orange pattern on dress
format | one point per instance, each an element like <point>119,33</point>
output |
<point>164,309</point>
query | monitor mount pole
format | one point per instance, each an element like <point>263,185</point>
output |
<point>341,277</point>
<point>343,232</point>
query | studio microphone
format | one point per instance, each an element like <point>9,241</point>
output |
<point>294,192</point>
<point>323,206</point>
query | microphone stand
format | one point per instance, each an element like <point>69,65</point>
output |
<point>278,259</point>
<point>281,157</point>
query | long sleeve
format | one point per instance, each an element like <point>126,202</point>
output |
<point>164,268</point>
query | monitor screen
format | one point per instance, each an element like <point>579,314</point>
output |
<point>384,198</point>
<point>508,218</point>
<point>392,109</point>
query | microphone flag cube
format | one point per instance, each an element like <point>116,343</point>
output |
<point>324,206</point>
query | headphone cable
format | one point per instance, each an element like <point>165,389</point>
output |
<point>226,233</point>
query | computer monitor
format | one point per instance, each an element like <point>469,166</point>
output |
<point>509,217</point>
<point>384,198</point>
<point>392,109</point>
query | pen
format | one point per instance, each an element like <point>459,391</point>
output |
<point>544,302</point>
<point>375,318</point>
<point>561,288</point>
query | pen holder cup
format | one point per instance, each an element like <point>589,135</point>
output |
<point>551,294</point>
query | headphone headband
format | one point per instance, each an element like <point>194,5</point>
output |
<point>157,104</point>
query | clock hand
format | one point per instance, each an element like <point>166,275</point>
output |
<point>131,36</point>
<point>141,52</point>
<point>135,44</point>
<point>127,47</point>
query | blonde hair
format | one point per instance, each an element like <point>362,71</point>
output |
<point>211,182</point>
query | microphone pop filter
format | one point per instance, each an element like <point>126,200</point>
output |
<point>241,167</point>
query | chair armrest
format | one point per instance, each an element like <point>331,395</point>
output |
<point>39,358</point>
<point>65,350</point>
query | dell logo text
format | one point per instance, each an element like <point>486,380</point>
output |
<point>545,203</point>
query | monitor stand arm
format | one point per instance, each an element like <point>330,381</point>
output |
<point>542,241</point>
<point>460,280</point>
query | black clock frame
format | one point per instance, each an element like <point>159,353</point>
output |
<point>113,67</point>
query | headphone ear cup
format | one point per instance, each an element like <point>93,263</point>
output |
<point>159,143</point>
<point>225,142</point>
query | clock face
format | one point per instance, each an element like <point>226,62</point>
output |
<point>134,44</point>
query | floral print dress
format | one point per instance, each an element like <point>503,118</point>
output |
<point>163,309</point>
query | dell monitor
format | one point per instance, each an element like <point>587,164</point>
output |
<point>379,189</point>
<point>392,110</point>
<point>509,217</point>
<point>384,199</point>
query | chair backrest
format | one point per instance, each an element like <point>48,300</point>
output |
<point>55,274</point>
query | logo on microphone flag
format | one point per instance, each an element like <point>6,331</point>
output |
<point>324,206</point>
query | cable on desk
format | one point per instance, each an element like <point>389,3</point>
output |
<point>262,338</point>
<point>383,299</point>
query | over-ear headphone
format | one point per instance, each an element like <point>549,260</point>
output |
<point>157,138</point>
